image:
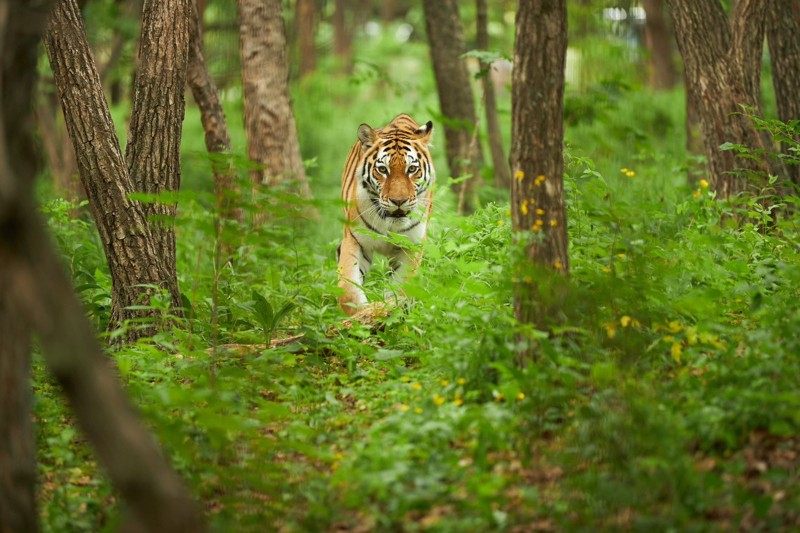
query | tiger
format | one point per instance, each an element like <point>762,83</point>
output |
<point>386,188</point>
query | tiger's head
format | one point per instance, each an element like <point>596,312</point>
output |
<point>397,168</point>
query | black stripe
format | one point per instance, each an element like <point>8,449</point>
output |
<point>412,226</point>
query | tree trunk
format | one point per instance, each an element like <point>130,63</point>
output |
<point>154,139</point>
<point>130,249</point>
<point>269,121</point>
<point>783,36</point>
<point>306,23</point>
<point>537,130</point>
<point>502,175</point>
<point>720,60</point>
<point>446,43</point>
<point>342,36</point>
<point>659,41</point>
<point>212,115</point>
<point>40,292</point>
<point>57,146</point>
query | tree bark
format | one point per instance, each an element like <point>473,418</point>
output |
<point>57,146</point>
<point>662,74</point>
<point>537,129</point>
<point>783,36</point>
<point>130,249</point>
<point>215,125</point>
<point>43,301</point>
<point>271,131</point>
<point>502,174</point>
<point>154,140</point>
<point>306,25</point>
<point>342,36</point>
<point>720,59</point>
<point>446,43</point>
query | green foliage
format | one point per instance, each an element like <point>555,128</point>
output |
<point>663,398</point>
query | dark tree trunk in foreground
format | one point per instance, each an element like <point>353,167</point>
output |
<point>502,175</point>
<point>446,43</point>
<point>269,121</point>
<point>306,25</point>
<point>662,73</point>
<point>537,130</point>
<point>154,138</point>
<point>783,36</point>
<point>218,141</point>
<point>131,251</point>
<point>721,62</point>
<point>43,301</point>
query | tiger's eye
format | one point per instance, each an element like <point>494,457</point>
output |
<point>381,169</point>
<point>413,169</point>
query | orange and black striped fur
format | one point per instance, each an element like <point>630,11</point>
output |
<point>386,186</point>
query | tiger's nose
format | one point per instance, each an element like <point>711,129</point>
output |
<point>398,201</point>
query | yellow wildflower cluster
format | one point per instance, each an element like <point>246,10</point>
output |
<point>628,172</point>
<point>537,226</point>
<point>698,193</point>
<point>682,336</point>
<point>539,180</point>
<point>519,175</point>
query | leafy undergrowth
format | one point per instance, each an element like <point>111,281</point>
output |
<point>666,396</point>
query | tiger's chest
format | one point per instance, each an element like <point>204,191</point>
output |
<point>385,235</point>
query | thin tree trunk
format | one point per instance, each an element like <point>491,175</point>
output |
<point>306,23</point>
<point>783,36</point>
<point>719,58</point>
<point>502,175</point>
<point>43,300</point>
<point>446,43</point>
<point>659,41</point>
<point>154,139</point>
<point>269,121</point>
<point>212,115</point>
<point>57,146</point>
<point>130,250</point>
<point>537,191</point>
<point>342,36</point>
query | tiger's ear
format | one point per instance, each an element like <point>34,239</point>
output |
<point>425,132</point>
<point>366,135</point>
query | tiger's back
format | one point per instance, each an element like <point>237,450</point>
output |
<point>386,187</point>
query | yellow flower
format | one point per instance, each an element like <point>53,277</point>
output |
<point>461,381</point>
<point>520,175</point>
<point>540,212</point>
<point>675,326</point>
<point>524,207</point>
<point>703,184</point>
<point>458,401</point>
<point>606,270</point>
<point>445,383</point>
<point>416,385</point>
<point>508,213</point>
<point>521,396</point>
<point>438,400</point>
<point>557,265</point>
<point>404,408</point>
<point>624,170</point>
<point>625,321</point>
<point>621,256</point>
<point>630,173</point>
<point>418,410</point>
<point>405,378</point>
<point>539,179</point>
<point>553,223</point>
<point>676,351</point>
<point>611,329</point>
<point>697,194</point>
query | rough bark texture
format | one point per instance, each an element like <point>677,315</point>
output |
<point>720,62</point>
<point>269,121</point>
<point>130,249</point>
<point>658,36</point>
<point>154,140</point>
<point>537,132</point>
<point>783,36</point>
<point>502,175</point>
<point>446,42</point>
<point>306,24</point>
<point>212,115</point>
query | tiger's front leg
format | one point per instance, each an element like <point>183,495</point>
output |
<point>353,268</point>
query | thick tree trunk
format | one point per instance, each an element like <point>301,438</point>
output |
<point>306,27</point>
<point>783,36</point>
<point>537,130</point>
<point>131,252</point>
<point>342,36</point>
<point>269,121</point>
<point>662,73</point>
<point>502,175</point>
<point>154,139</point>
<point>446,43</point>
<point>40,292</point>
<point>720,61</point>
<point>212,115</point>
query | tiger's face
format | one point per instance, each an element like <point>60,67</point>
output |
<point>397,169</point>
